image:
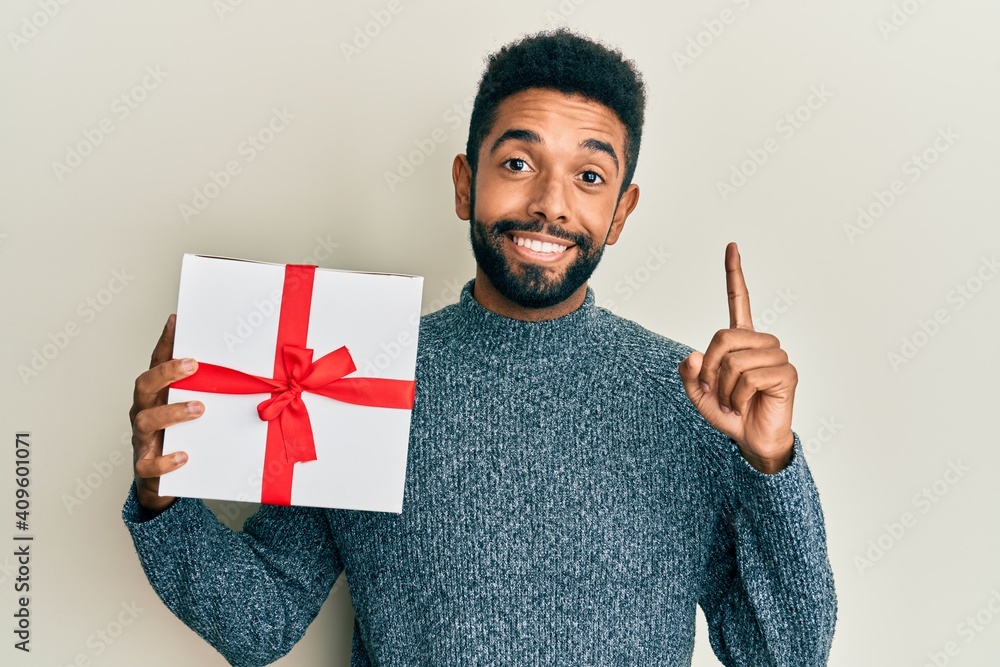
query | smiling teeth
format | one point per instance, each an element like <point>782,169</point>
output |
<point>539,246</point>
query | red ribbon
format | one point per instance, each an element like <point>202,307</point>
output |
<point>289,431</point>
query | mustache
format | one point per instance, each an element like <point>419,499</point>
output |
<point>502,227</point>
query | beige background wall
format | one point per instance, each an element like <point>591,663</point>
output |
<point>163,94</point>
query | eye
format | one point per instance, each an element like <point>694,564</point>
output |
<point>592,178</point>
<point>516,164</point>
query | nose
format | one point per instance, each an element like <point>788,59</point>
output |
<point>548,200</point>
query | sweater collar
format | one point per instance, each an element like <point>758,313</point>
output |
<point>499,333</point>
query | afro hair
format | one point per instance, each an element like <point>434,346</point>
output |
<point>570,63</point>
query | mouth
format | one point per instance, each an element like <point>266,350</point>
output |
<point>538,247</point>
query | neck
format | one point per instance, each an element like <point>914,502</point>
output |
<point>489,298</point>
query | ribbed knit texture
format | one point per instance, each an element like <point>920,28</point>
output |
<point>565,504</point>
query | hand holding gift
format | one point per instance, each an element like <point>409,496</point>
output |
<point>150,414</point>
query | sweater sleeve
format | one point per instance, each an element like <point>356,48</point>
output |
<point>769,595</point>
<point>250,594</point>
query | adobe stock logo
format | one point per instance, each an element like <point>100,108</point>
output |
<point>364,34</point>
<point>924,500</point>
<point>30,27</point>
<point>122,107</point>
<point>223,7</point>
<point>562,13</point>
<point>87,310</point>
<point>901,14</point>
<point>263,310</point>
<point>786,126</point>
<point>915,167</point>
<point>99,472</point>
<point>713,28</point>
<point>107,635</point>
<point>829,427</point>
<point>250,148</point>
<point>407,165</point>
<point>971,627</point>
<point>642,273</point>
<point>959,297</point>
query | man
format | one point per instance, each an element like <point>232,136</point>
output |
<point>575,483</point>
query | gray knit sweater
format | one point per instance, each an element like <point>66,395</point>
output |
<point>565,504</point>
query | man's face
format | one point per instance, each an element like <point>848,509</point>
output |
<point>545,199</point>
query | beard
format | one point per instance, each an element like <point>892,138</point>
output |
<point>530,285</point>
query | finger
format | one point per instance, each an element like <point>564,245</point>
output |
<point>150,386</point>
<point>735,364</point>
<point>777,380</point>
<point>705,401</point>
<point>158,466</point>
<point>150,423</point>
<point>727,341</point>
<point>736,286</point>
<point>164,348</point>
<point>688,370</point>
<point>163,351</point>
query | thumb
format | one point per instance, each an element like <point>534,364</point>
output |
<point>689,370</point>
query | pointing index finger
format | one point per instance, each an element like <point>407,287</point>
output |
<point>736,286</point>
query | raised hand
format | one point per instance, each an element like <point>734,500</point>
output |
<point>743,385</point>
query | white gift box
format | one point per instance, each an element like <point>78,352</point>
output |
<point>228,314</point>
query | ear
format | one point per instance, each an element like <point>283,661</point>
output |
<point>626,204</point>
<point>461,175</point>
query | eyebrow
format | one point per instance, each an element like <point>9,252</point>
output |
<point>596,145</point>
<point>529,137</point>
